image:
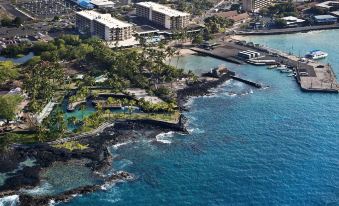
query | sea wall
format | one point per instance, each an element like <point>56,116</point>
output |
<point>289,30</point>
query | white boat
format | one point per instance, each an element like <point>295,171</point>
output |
<point>316,54</point>
<point>281,67</point>
<point>272,66</point>
<point>286,71</point>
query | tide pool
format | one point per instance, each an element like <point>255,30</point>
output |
<point>274,146</point>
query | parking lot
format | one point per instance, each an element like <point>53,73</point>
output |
<point>48,8</point>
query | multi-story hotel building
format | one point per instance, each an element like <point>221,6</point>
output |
<point>255,5</point>
<point>162,15</point>
<point>103,26</point>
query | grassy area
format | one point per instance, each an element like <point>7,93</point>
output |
<point>72,145</point>
<point>168,117</point>
<point>96,120</point>
<point>11,138</point>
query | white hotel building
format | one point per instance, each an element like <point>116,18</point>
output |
<point>103,26</point>
<point>255,5</point>
<point>162,15</point>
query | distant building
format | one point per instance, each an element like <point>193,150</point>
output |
<point>329,5</point>
<point>103,3</point>
<point>233,15</point>
<point>248,54</point>
<point>325,19</point>
<point>292,21</point>
<point>162,15</point>
<point>91,4</point>
<point>255,5</point>
<point>103,26</point>
<point>335,13</point>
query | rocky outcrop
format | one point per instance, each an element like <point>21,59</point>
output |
<point>28,200</point>
<point>199,89</point>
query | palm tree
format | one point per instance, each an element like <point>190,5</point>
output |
<point>72,120</point>
<point>82,109</point>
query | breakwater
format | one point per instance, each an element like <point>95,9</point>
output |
<point>251,83</point>
<point>289,30</point>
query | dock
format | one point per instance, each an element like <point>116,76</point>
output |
<point>251,83</point>
<point>319,77</point>
<point>222,53</point>
<point>312,76</point>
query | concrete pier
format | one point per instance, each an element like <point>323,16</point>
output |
<point>311,75</point>
<point>251,83</point>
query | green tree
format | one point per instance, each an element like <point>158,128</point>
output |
<point>6,21</point>
<point>9,104</point>
<point>281,23</point>
<point>17,21</point>
<point>198,39</point>
<point>8,71</point>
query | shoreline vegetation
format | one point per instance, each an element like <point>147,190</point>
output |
<point>142,100</point>
<point>160,100</point>
<point>123,131</point>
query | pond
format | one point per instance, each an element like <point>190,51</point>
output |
<point>88,111</point>
<point>20,60</point>
<point>61,177</point>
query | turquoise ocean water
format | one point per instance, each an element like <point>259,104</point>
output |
<point>275,146</point>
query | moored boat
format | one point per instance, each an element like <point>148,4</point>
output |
<point>272,66</point>
<point>316,54</point>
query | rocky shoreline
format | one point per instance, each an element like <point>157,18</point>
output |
<point>199,88</point>
<point>97,152</point>
<point>100,160</point>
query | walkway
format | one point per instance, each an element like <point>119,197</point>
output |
<point>45,112</point>
<point>98,130</point>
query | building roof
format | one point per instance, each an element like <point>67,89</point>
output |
<point>89,14</point>
<point>335,13</point>
<point>292,19</point>
<point>112,22</point>
<point>233,15</point>
<point>144,29</point>
<point>322,17</point>
<point>227,14</point>
<point>163,9</point>
<point>105,19</point>
<point>102,2</point>
<point>327,4</point>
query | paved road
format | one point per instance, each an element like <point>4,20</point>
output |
<point>11,9</point>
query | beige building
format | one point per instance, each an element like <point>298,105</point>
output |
<point>103,26</point>
<point>162,15</point>
<point>255,5</point>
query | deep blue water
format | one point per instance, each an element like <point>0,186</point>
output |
<point>276,146</point>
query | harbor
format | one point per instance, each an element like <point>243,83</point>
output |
<point>311,75</point>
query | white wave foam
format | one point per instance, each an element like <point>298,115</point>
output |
<point>107,186</point>
<point>164,137</point>
<point>44,188</point>
<point>12,200</point>
<point>195,131</point>
<point>189,101</point>
<point>231,94</point>
<point>116,146</point>
<point>51,203</point>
